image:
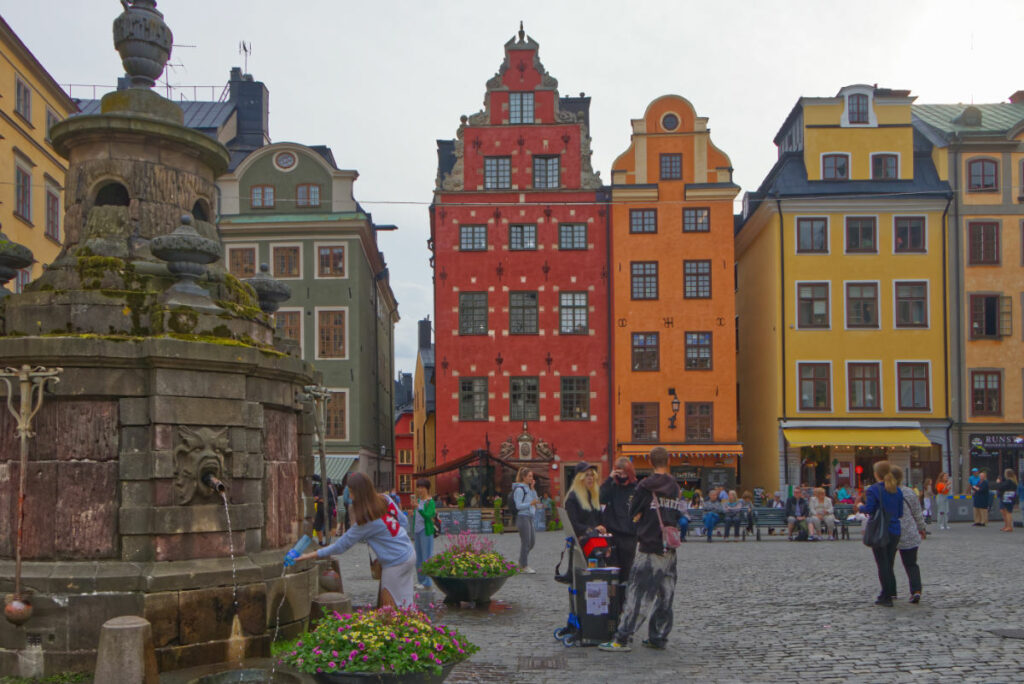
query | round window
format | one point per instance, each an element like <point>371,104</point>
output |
<point>284,160</point>
<point>670,122</point>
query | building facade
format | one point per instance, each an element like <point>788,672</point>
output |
<point>404,441</point>
<point>289,206</point>
<point>673,331</point>
<point>424,418</point>
<point>32,172</point>
<point>979,150</point>
<point>519,239</point>
<point>841,297</point>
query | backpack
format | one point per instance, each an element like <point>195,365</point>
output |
<point>510,504</point>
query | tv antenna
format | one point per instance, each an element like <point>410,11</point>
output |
<point>245,49</point>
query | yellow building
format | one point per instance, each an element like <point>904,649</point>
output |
<point>31,171</point>
<point>979,149</point>
<point>841,298</point>
<point>423,408</point>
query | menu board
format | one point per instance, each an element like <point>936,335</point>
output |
<point>454,521</point>
<point>473,519</point>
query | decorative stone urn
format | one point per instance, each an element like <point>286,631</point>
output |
<point>143,40</point>
<point>187,254</point>
<point>269,292</point>
<point>13,258</point>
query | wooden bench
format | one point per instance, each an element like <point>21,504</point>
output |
<point>697,523</point>
<point>842,511</point>
<point>768,517</point>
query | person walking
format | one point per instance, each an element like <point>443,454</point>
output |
<point>526,502</point>
<point>912,532</point>
<point>382,525</point>
<point>652,581</point>
<point>1007,494</point>
<point>979,493</point>
<point>615,494</point>
<point>928,500</point>
<point>885,494</point>
<point>423,528</point>
<point>943,488</point>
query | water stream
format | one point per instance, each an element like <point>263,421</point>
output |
<point>277,621</point>
<point>231,549</point>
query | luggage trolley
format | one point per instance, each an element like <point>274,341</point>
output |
<point>595,597</point>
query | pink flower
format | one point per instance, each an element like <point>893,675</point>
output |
<point>332,664</point>
<point>365,658</point>
<point>414,656</point>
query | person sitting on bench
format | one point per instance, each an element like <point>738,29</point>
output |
<point>821,514</point>
<point>797,511</point>
<point>734,514</point>
<point>712,512</point>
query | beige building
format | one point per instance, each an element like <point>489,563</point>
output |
<point>31,172</point>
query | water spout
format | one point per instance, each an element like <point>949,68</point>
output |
<point>214,483</point>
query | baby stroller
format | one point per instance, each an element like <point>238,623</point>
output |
<point>595,593</point>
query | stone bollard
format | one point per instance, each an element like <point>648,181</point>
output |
<point>327,603</point>
<point>125,653</point>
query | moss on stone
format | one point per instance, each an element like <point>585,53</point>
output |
<point>92,269</point>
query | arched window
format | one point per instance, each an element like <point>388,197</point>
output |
<point>982,174</point>
<point>112,194</point>
<point>857,107</point>
<point>201,210</point>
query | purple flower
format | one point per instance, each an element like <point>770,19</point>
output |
<point>332,664</point>
<point>414,656</point>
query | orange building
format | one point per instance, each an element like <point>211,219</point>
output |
<point>673,330</point>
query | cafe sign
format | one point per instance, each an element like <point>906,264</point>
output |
<point>996,442</point>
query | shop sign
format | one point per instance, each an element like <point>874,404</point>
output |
<point>997,441</point>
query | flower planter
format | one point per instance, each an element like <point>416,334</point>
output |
<point>385,677</point>
<point>476,589</point>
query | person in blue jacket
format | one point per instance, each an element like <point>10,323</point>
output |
<point>885,493</point>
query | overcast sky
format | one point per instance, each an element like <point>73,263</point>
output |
<point>380,81</point>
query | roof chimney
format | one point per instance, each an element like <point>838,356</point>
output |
<point>1017,97</point>
<point>424,330</point>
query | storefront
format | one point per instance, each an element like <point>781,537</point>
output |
<point>995,453</point>
<point>695,466</point>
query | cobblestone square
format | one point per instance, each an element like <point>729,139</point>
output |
<point>769,611</point>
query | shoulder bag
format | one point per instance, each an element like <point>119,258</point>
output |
<point>670,537</point>
<point>876,530</point>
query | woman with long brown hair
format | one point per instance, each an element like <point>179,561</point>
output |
<point>1007,493</point>
<point>527,503</point>
<point>378,522</point>
<point>885,494</point>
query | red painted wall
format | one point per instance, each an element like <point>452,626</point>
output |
<point>404,441</point>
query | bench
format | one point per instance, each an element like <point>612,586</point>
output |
<point>768,517</point>
<point>697,523</point>
<point>841,511</point>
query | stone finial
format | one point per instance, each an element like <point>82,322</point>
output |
<point>187,253</point>
<point>13,258</point>
<point>143,40</point>
<point>522,33</point>
<point>269,292</point>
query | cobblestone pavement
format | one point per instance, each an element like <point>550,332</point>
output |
<point>769,611</point>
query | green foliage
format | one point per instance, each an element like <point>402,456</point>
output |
<point>498,528</point>
<point>59,678</point>
<point>470,556</point>
<point>497,503</point>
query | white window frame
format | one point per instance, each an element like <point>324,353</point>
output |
<point>844,119</point>
<point>878,234</point>
<point>796,234</point>
<point>849,166</point>
<point>348,412</point>
<point>346,243</point>
<point>228,246</point>
<point>316,326</point>
<point>927,303</point>
<point>904,216</point>
<point>796,304</point>
<point>871,168</point>
<point>271,246</point>
<point>831,388</point>
<point>896,385</point>
<point>881,387</point>
<point>302,325</point>
<point>878,301</point>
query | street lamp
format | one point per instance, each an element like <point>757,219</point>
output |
<point>675,408</point>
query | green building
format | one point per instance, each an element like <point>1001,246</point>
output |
<point>289,206</point>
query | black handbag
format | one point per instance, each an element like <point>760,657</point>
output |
<point>876,531</point>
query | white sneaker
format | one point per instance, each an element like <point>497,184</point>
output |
<point>527,570</point>
<point>419,587</point>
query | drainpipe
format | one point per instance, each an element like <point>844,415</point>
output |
<point>957,249</point>
<point>782,326</point>
<point>945,331</point>
<point>610,327</point>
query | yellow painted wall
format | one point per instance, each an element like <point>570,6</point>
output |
<point>26,140</point>
<point>422,423</point>
<point>823,135</point>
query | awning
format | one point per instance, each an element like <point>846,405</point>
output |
<point>481,457</point>
<point>873,437</point>
<point>685,450</point>
<point>337,466</point>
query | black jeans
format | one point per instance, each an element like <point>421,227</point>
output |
<point>885,557</point>
<point>625,552</point>
<point>909,558</point>
<point>733,521</point>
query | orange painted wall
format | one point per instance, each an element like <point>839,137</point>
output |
<point>670,246</point>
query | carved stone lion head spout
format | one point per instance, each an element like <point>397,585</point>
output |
<point>202,452</point>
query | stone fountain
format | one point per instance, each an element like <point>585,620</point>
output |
<point>171,386</point>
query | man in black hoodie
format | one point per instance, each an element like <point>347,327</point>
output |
<point>652,580</point>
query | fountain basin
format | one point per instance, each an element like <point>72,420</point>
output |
<point>248,676</point>
<point>384,677</point>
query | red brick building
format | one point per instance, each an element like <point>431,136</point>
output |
<point>519,228</point>
<point>404,444</point>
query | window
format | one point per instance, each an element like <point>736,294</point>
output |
<point>643,279</point>
<point>909,234</point>
<point>307,195</point>
<point>286,261</point>
<point>405,457</point>
<point>914,393</point>
<point>23,99</point>
<point>575,398</point>
<point>524,399</point>
<point>645,422</point>
<point>336,416</point>
<point>51,120</point>
<point>863,385</point>
<point>861,234</point>
<point>986,393</point>
<point>861,305</point>
<point>835,167</point>
<point>52,213</point>
<point>982,175</point>
<point>404,479</point>
<point>857,108</point>
<point>812,235</point>
<point>242,261</point>
<point>22,279</point>
<point>643,220</point>
<point>289,325</point>
<point>671,166</point>
<point>473,399</point>
<point>572,313</point>
<point>815,387</point>
<point>472,313</point>
<point>522,236</point>
<point>812,305</point>
<point>699,421</point>
<point>520,108</point>
<point>912,304</point>
<point>884,167</point>
<point>698,351</point>
<point>983,243</point>
<point>545,172</point>
<point>261,197</point>
<point>497,173</point>
<point>331,325</point>
<point>696,279</point>
<point>22,193</point>
<point>330,261</point>
<point>696,220</point>
<point>472,238</point>
<point>645,351</point>
<point>572,236</point>
<point>522,313</point>
<point>991,316</point>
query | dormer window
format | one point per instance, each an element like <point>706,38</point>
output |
<point>982,174</point>
<point>884,167</point>
<point>520,108</point>
<point>835,167</point>
<point>857,108</point>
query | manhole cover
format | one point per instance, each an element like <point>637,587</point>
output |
<point>1009,633</point>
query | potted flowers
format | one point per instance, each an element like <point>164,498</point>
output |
<point>384,645</point>
<point>469,569</point>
